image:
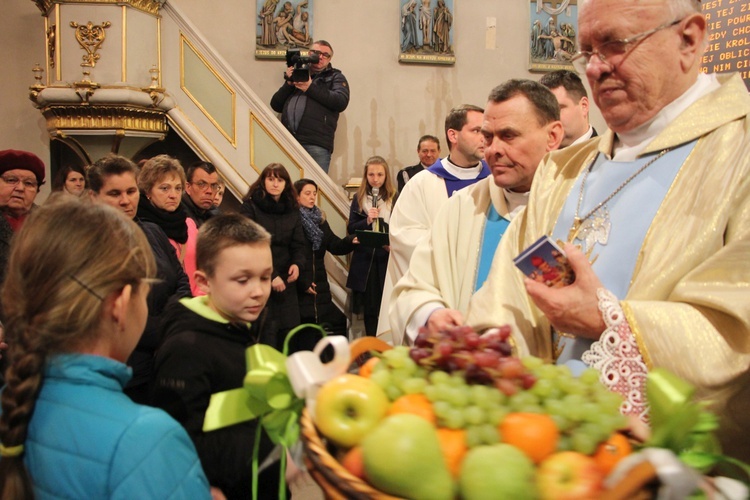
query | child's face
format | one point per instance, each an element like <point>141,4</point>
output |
<point>376,175</point>
<point>219,196</point>
<point>241,283</point>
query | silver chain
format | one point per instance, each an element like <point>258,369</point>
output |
<point>614,193</point>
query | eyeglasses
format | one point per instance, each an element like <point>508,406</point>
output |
<point>203,185</point>
<point>13,181</point>
<point>321,54</point>
<point>614,48</point>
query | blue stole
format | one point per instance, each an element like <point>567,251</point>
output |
<point>493,231</point>
<point>453,183</point>
<point>631,212</point>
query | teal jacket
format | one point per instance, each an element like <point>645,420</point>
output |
<point>87,439</point>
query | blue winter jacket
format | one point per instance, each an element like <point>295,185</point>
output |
<point>87,439</point>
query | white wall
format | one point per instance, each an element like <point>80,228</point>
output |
<point>22,40</point>
<point>392,104</point>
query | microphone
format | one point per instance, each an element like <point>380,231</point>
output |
<point>376,222</point>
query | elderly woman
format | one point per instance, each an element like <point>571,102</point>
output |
<point>162,181</point>
<point>70,179</point>
<point>113,180</point>
<point>21,175</point>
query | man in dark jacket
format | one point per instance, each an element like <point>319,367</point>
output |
<point>310,109</point>
<point>574,105</point>
<point>428,149</point>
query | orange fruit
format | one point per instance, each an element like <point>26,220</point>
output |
<point>416,404</point>
<point>534,434</point>
<point>354,462</point>
<point>366,369</point>
<point>453,445</point>
<point>609,453</point>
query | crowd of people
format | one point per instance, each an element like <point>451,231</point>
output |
<point>129,291</point>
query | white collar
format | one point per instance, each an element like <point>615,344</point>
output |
<point>462,173</point>
<point>515,202</point>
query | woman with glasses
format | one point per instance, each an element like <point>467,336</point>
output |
<point>162,181</point>
<point>21,174</point>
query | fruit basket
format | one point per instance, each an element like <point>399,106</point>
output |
<point>339,484</point>
<point>327,456</point>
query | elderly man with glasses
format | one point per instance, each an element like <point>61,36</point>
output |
<point>310,109</point>
<point>660,204</point>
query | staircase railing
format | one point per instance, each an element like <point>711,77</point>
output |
<point>226,123</point>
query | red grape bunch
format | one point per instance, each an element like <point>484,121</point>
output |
<point>482,359</point>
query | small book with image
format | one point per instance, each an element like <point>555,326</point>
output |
<point>544,261</point>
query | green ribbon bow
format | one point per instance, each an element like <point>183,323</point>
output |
<point>683,426</point>
<point>266,394</point>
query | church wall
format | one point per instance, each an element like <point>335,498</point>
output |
<point>392,104</point>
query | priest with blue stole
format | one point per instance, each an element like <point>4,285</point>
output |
<point>521,124</point>
<point>656,213</point>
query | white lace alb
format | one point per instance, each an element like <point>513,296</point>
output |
<point>618,359</point>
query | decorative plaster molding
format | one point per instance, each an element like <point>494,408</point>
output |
<point>87,117</point>
<point>149,6</point>
<point>90,38</point>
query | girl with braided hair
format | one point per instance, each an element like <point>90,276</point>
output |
<point>75,307</point>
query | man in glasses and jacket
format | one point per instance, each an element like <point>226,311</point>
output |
<point>310,109</point>
<point>200,190</point>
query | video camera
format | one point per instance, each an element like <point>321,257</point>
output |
<point>301,71</point>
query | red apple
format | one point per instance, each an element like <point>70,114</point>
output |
<point>569,475</point>
<point>348,407</point>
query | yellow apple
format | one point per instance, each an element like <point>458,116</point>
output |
<point>348,407</point>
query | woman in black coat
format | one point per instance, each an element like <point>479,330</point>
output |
<point>272,202</point>
<point>315,301</point>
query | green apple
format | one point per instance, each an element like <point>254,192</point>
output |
<point>348,407</point>
<point>402,457</point>
<point>497,471</point>
<point>568,475</point>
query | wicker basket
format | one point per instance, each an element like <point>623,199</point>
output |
<point>339,484</point>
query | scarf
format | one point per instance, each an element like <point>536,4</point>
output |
<point>172,223</point>
<point>312,218</point>
<point>270,206</point>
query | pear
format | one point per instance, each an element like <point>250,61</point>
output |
<point>497,471</point>
<point>402,457</point>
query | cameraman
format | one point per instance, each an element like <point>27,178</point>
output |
<point>310,109</point>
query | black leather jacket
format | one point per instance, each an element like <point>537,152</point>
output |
<point>327,96</point>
